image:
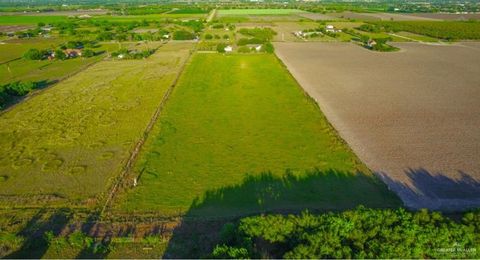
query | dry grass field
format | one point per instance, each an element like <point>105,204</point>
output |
<point>413,116</point>
<point>65,144</point>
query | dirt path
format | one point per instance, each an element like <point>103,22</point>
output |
<point>412,116</point>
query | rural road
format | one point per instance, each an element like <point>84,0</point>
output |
<point>412,116</point>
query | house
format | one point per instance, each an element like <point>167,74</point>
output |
<point>228,49</point>
<point>331,28</point>
<point>258,48</point>
<point>46,28</point>
<point>72,53</point>
<point>371,43</point>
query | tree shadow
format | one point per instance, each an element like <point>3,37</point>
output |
<point>36,244</point>
<point>436,191</point>
<point>9,100</point>
<point>316,191</point>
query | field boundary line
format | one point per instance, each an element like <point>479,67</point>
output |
<point>138,146</point>
<point>359,163</point>
<point>8,61</point>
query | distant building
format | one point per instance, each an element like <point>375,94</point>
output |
<point>258,48</point>
<point>228,49</point>
<point>72,53</point>
<point>371,43</point>
<point>331,28</point>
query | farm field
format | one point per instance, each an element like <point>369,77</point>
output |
<point>52,71</point>
<point>379,16</point>
<point>448,16</point>
<point>29,19</point>
<point>415,126</point>
<point>238,136</point>
<point>67,143</point>
<point>417,37</point>
<point>223,12</point>
<point>14,48</point>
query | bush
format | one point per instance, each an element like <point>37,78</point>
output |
<point>221,47</point>
<point>33,54</point>
<point>244,49</point>
<point>208,36</point>
<point>268,48</point>
<point>226,252</point>
<point>245,41</point>
<point>183,35</point>
<point>19,88</point>
<point>59,54</point>
<point>87,53</point>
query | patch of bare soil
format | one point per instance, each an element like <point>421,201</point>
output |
<point>412,116</point>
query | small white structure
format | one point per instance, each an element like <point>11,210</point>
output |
<point>258,48</point>
<point>331,28</point>
<point>121,56</point>
<point>228,49</point>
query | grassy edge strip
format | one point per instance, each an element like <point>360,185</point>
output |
<point>138,146</point>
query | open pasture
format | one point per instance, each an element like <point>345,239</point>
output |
<point>29,19</point>
<point>65,144</point>
<point>238,136</point>
<point>412,116</point>
<point>15,48</point>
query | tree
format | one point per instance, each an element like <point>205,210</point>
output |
<point>59,54</point>
<point>221,47</point>
<point>33,54</point>
<point>208,36</point>
<point>269,47</point>
<point>87,53</point>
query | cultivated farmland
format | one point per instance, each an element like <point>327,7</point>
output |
<point>412,116</point>
<point>68,142</point>
<point>239,136</point>
<point>224,12</point>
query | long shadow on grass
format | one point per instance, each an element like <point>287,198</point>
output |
<point>316,191</point>
<point>36,242</point>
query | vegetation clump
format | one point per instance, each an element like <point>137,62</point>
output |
<point>359,233</point>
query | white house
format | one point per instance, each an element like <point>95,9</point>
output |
<point>258,48</point>
<point>331,28</point>
<point>228,49</point>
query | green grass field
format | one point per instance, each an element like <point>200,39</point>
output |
<point>65,144</point>
<point>14,48</point>
<point>258,11</point>
<point>233,127</point>
<point>30,19</point>
<point>45,70</point>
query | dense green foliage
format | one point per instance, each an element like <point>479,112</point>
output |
<point>133,54</point>
<point>264,34</point>
<point>360,233</point>
<point>33,54</point>
<point>183,35</point>
<point>10,91</point>
<point>448,30</point>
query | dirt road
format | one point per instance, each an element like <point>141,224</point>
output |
<point>412,116</point>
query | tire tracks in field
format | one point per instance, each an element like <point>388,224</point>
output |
<point>138,146</point>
